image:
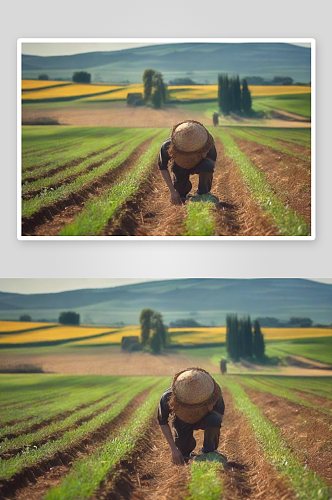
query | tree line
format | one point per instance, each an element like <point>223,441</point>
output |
<point>244,340</point>
<point>233,98</point>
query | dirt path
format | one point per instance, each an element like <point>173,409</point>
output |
<point>49,221</point>
<point>117,114</point>
<point>288,176</point>
<point>286,115</point>
<point>306,362</point>
<point>33,482</point>
<point>306,430</point>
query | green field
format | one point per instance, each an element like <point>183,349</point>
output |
<point>299,104</point>
<point>88,431</point>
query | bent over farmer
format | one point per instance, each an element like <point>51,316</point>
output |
<point>189,150</point>
<point>194,401</point>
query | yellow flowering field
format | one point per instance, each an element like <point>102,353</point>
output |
<point>56,333</point>
<point>295,333</point>
<point>112,338</point>
<point>16,326</point>
<point>37,84</point>
<point>72,90</point>
<point>121,93</point>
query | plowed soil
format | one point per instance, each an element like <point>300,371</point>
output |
<point>118,114</point>
<point>152,214</point>
<point>151,475</point>
<point>288,176</point>
<point>33,482</point>
<point>50,220</point>
<point>307,431</point>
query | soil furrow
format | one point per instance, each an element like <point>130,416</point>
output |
<point>70,178</point>
<point>48,221</point>
<point>149,473</point>
<point>57,435</point>
<point>248,474</point>
<point>307,431</point>
<point>149,213</point>
<point>60,168</point>
<point>237,214</point>
<point>33,482</point>
<point>288,176</point>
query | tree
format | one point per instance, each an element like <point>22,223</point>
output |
<point>25,317</point>
<point>147,82</point>
<point>158,327</point>
<point>246,98</point>
<point>43,77</point>
<point>81,77</point>
<point>258,343</point>
<point>237,94</point>
<point>145,322</point>
<point>69,318</point>
<point>156,343</point>
<point>247,338</point>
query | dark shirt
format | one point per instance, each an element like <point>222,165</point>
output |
<point>164,410</point>
<point>164,157</point>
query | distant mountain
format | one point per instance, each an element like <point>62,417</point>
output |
<point>205,300</point>
<point>200,61</point>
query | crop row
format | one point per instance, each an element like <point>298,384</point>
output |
<point>306,484</point>
<point>73,436</point>
<point>99,211</point>
<point>29,207</point>
<point>288,222</point>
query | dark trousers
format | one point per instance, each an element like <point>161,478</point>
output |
<point>184,438</point>
<point>182,182</point>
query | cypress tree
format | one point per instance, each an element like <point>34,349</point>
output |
<point>220,83</point>
<point>258,344</point>
<point>158,326</point>
<point>237,95</point>
<point>247,338</point>
<point>246,98</point>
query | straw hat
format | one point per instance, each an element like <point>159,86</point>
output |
<point>190,143</point>
<point>193,391</point>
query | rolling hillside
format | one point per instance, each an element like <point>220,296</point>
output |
<point>200,61</point>
<point>206,300</point>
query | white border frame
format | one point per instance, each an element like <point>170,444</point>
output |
<point>312,41</point>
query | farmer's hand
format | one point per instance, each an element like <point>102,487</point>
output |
<point>177,456</point>
<point>175,197</point>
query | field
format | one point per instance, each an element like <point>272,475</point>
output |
<point>48,91</point>
<point>97,437</point>
<point>104,181</point>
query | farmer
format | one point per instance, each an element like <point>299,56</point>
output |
<point>193,401</point>
<point>189,150</point>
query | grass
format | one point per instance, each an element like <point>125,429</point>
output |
<point>287,221</point>
<point>306,484</point>
<point>299,104</point>
<point>99,211</point>
<point>316,348</point>
<point>205,483</point>
<point>301,137</point>
<point>89,472</point>
<point>47,198</point>
<point>254,135</point>
<point>73,436</point>
<point>201,218</point>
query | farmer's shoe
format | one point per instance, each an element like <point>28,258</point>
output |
<point>188,456</point>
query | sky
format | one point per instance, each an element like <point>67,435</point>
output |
<point>64,48</point>
<point>53,285</point>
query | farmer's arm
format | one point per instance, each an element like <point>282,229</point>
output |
<point>175,197</point>
<point>176,453</point>
<point>163,160</point>
<point>163,415</point>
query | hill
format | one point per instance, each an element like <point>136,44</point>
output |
<point>205,300</point>
<point>200,61</point>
